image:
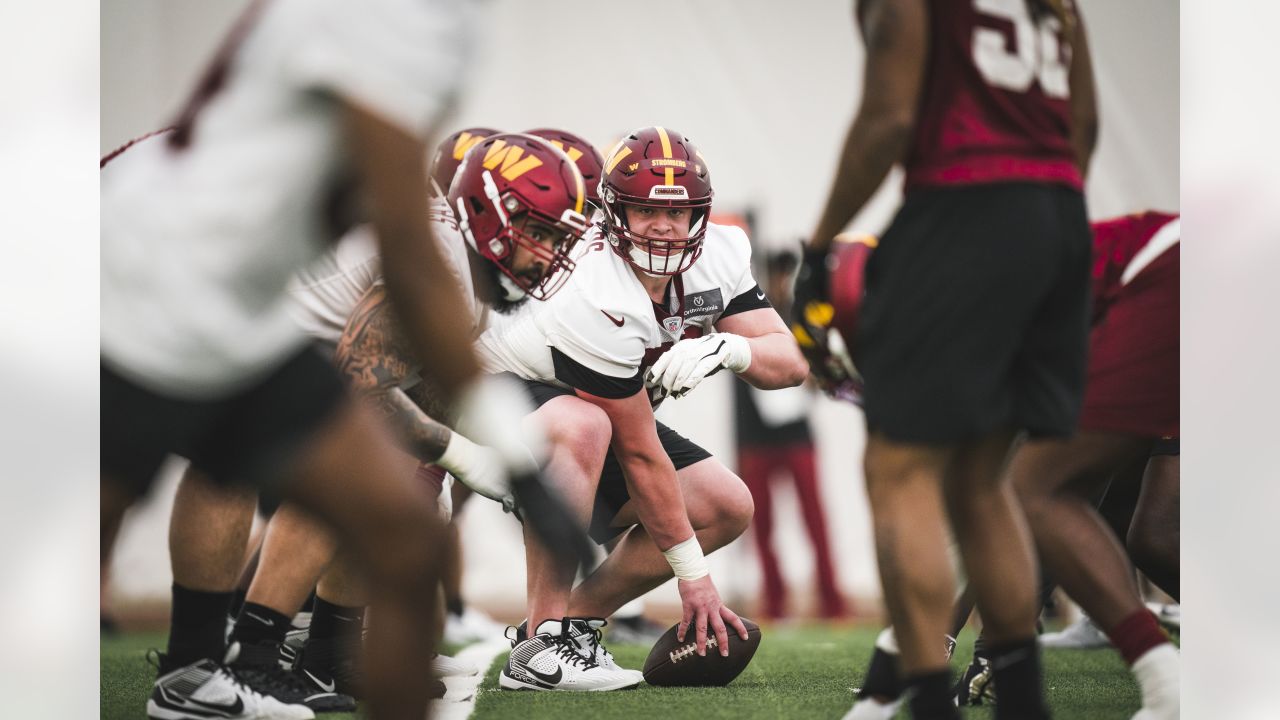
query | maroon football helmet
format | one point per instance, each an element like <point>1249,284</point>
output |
<point>449,155</point>
<point>656,168</point>
<point>590,162</point>
<point>505,179</point>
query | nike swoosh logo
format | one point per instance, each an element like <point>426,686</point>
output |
<point>553,678</point>
<point>327,687</point>
<point>259,618</point>
<point>616,321</point>
<point>197,707</point>
<point>760,295</point>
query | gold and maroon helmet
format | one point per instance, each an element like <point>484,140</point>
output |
<point>590,161</point>
<point>504,179</point>
<point>449,155</point>
<point>657,168</point>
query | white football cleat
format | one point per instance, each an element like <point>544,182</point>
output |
<point>445,666</point>
<point>205,689</point>
<point>586,633</point>
<point>471,626</point>
<point>1079,635</point>
<point>1158,673</point>
<point>553,660</point>
<point>871,709</point>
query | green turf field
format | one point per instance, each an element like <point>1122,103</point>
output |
<point>805,672</point>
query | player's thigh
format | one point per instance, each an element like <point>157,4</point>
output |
<point>1156,520</point>
<point>1079,465</point>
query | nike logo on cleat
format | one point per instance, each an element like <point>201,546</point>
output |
<point>550,678</point>
<point>616,321</point>
<point>325,686</point>
<point>197,707</point>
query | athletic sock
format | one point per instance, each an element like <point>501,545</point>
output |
<point>259,623</point>
<point>883,681</point>
<point>336,621</point>
<point>1015,670</point>
<point>931,696</point>
<point>1137,634</point>
<point>237,602</point>
<point>197,627</point>
<point>1158,673</point>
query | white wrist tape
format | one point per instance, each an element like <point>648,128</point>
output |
<point>687,561</point>
<point>458,454</point>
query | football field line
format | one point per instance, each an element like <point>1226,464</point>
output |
<point>459,700</point>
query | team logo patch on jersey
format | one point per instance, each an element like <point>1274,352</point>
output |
<point>700,304</point>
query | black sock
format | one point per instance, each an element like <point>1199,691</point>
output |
<point>931,696</point>
<point>197,627</point>
<point>308,605</point>
<point>1015,669</point>
<point>259,623</point>
<point>454,606</point>
<point>883,680</point>
<point>335,621</point>
<point>237,602</point>
<point>980,646</point>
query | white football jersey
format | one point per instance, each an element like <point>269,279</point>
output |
<point>199,242</point>
<point>324,296</point>
<point>602,329</point>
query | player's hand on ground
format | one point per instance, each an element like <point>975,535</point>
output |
<point>704,611</point>
<point>681,368</point>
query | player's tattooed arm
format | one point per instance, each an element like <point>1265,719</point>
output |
<point>375,357</point>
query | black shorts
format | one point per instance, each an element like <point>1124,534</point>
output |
<point>976,315</point>
<point>247,437</point>
<point>611,492</point>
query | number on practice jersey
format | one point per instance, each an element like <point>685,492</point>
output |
<point>1035,55</point>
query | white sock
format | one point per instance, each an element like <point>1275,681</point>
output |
<point>1158,672</point>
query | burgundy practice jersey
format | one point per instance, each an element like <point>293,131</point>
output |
<point>1124,246</point>
<point>995,106</point>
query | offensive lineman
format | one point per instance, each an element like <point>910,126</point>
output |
<point>661,299</point>
<point>511,245</point>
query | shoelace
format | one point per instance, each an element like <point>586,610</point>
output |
<point>568,649</point>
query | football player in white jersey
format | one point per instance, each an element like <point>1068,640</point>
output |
<point>522,203</point>
<point>308,105</point>
<point>660,300</point>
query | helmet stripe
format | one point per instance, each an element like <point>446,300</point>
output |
<point>581,187</point>
<point>619,153</point>
<point>670,172</point>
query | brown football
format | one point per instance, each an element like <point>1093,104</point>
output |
<point>677,664</point>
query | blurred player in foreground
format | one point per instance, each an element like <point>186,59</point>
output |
<point>312,116</point>
<point>976,314</point>
<point>508,247</point>
<point>659,301</point>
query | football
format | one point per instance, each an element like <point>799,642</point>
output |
<point>677,664</point>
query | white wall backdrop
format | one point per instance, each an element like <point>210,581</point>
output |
<point>766,90</point>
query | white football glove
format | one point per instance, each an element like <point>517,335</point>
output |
<point>477,467</point>
<point>681,368</point>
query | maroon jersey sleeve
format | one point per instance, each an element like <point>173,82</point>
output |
<point>995,106</point>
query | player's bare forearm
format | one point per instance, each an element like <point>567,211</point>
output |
<point>1084,98</point>
<point>896,35</point>
<point>655,489</point>
<point>776,362</point>
<point>430,302</point>
<point>423,437</point>
<point>651,478</point>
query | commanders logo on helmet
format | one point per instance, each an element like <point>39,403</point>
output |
<point>449,154</point>
<point>590,161</point>
<point>656,168</point>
